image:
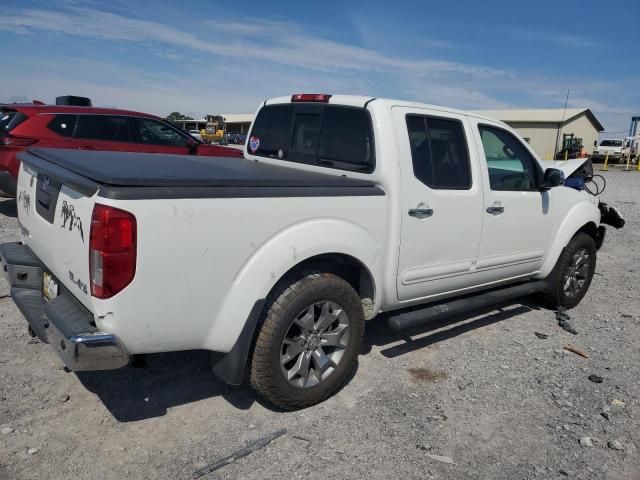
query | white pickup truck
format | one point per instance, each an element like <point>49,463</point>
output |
<point>344,207</point>
<point>609,148</point>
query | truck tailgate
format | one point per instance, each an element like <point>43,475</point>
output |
<point>55,220</point>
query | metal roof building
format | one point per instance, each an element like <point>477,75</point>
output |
<point>542,126</point>
<point>236,122</point>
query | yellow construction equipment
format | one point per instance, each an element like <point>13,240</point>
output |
<point>214,129</point>
<point>605,167</point>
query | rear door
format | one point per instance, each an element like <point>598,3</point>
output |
<point>105,132</point>
<point>55,222</point>
<point>442,202</point>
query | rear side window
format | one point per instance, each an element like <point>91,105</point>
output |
<point>10,119</point>
<point>317,134</point>
<point>439,152</point>
<point>63,124</point>
<point>104,127</point>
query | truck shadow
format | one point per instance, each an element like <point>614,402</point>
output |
<point>172,379</point>
<point>168,380</point>
<point>8,207</point>
<point>378,333</point>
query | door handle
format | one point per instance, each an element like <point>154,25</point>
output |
<point>421,212</point>
<point>495,210</point>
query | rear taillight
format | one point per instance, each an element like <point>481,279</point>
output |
<point>310,97</point>
<point>112,250</point>
<point>13,141</point>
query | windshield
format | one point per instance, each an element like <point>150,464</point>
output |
<point>611,143</point>
<point>315,133</point>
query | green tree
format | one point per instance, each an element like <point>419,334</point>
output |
<point>178,116</point>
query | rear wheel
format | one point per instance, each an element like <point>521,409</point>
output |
<point>572,275</point>
<point>308,342</point>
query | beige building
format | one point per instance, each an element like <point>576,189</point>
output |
<point>235,123</point>
<point>541,127</point>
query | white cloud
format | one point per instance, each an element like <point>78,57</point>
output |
<point>278,42</point>
<point>560,39</point>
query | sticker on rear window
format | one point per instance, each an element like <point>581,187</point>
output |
<point>254,144</point>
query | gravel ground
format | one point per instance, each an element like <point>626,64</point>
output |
<point>482,397</point>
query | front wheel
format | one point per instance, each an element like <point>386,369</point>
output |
<point>308,342</point>
<point>572,275</point>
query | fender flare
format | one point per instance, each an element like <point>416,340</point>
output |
<point>275,257</point>
<point>580,215</point>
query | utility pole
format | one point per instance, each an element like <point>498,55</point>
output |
<point>566,102</point>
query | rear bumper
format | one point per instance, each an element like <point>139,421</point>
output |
<point>8,183</point>
<point>63,322</point>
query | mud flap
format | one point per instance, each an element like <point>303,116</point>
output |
<point>230,367</point>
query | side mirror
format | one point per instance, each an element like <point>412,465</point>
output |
<point>193,145</point>
<point>552,178</point>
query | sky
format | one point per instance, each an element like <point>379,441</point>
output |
<point>203,57</point>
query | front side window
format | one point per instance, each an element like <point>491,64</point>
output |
<point>110,128</point>
<point>439,152</point>
<point>511,166</point>
<point>318,134</point>
<point>63,124</point>
<point>153,132</point>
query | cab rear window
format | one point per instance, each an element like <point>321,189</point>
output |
<point>316,134</point>
<point>10,119</point>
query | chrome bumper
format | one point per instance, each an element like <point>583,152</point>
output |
<point>89,351</point>
<point>63,322</point>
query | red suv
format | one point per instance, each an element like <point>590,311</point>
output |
<point>88,128</point>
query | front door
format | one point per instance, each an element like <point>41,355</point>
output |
<point>517,223</point>
<point>441,204</point>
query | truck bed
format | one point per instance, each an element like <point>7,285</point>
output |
<point>126,175</point>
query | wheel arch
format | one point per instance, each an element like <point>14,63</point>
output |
<point>349,250</point>
<point>582,218</point>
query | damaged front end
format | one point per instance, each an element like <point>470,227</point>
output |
<point>608,216</point>
<point>580,176</point>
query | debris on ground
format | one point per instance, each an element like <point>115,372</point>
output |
<point>563,320</point>
<point>542,336</point>
<point>33,451</point>
<point>243,452</point>
<point>616,402</point>
<point>577,351</point>
<point>441,459</point>
<point>595,378</point>
<point>615,445</point>
<point>586,441</point>
<point>6,430</point>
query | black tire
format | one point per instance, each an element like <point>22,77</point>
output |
<point>294,296</point>
<point>558,294</point>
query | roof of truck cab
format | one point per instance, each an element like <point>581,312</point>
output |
<point>362,101</point>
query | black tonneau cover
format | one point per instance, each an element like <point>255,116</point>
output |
<point>128,175</point>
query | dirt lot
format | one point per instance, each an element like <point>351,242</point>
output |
<point>485,394</point>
